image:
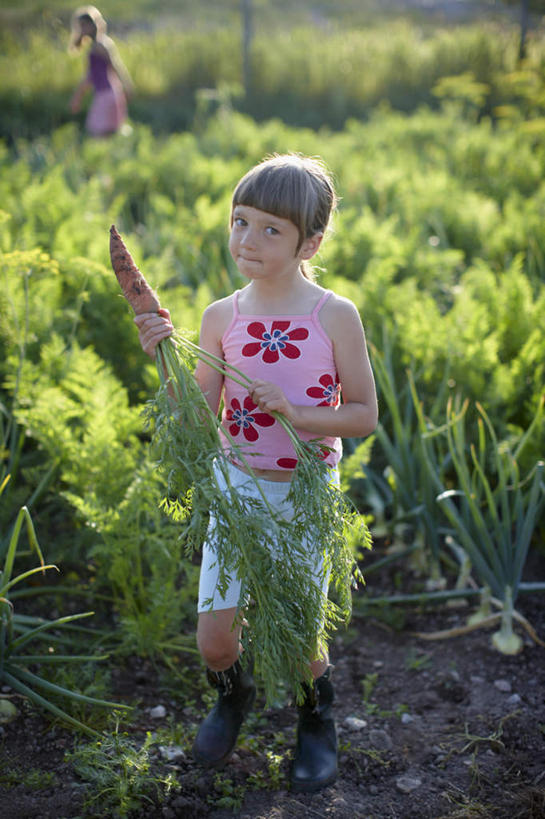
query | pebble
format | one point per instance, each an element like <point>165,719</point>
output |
<point>8,711</point>
<point>476,680</point>
<point>406,784</point>
<point>503,685</point>
<point>355,724</point>
<point>158,712</point>
<point>381,740</point>
<point>454,675</point>
<point>514,699</point>
<point>171,752</point>
<point>339,803</point>
<point>373,790</point>
<point>406,719</point>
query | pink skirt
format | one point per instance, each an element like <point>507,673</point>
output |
<point>108,111</point>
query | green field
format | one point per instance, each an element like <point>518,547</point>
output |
<point>435,134</point>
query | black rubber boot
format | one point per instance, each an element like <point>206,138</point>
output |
<point>315,762</point>
<point>218,733</point>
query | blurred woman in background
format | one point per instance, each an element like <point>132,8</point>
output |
<point>106,75</point>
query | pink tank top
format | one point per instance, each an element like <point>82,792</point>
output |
<point>292,351</point>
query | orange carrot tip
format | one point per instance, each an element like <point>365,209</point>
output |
<point>134,286</point>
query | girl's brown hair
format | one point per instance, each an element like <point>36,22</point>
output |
<point>290,186</point>
<point>89,14</point>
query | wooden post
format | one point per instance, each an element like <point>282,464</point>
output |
<point>247,34</point>
<point>524,15</point>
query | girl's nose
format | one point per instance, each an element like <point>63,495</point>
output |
<point>248,238</point>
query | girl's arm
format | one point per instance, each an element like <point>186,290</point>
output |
<point>78,95</point>
<point>154,327</point>
<point>214,322</point>
<point>357,416</point>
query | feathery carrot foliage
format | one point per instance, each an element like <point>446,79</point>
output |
<point>288,618</point>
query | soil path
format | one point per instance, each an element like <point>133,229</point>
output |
<point>426,730</point>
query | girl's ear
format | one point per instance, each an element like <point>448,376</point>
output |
<point>310,246</point>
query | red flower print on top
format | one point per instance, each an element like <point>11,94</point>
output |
<point>274,341</point>
<point>244,418</point>
<point>286,463</point>
<point>329,391</point>
<point>291,463</point>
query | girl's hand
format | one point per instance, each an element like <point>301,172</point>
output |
<point>270,398</point>
<point>153,328</point>
<point>75,102</point>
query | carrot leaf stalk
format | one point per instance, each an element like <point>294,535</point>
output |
<point>289,619</point>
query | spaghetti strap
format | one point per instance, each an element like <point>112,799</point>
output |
<point>321,303</point>
<point>235,317</point>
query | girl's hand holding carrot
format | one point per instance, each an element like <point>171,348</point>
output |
<point>152,320</point>
<point>153,328</point>
<point>270,397</point>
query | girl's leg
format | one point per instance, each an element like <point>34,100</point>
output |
<point>315,761</point>
<point>218,638</point>
<point>319,667</point>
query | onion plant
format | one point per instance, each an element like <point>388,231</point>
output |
<point>16,632</point>
<point>411,484</point>
<point>494,510</point>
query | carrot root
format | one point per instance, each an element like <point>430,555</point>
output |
<point>133,284</point>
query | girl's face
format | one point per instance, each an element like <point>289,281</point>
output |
<point>87,28</point>
<point>264,246</point>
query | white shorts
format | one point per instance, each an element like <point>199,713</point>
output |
<point>210,598</point>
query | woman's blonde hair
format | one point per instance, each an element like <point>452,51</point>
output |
<point>290,186</point>
<point>90,14</point>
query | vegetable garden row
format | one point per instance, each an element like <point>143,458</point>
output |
<point>439,241</point>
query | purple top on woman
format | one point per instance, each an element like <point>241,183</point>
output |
<point>98,72</point>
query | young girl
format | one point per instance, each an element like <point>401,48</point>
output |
<point>106,74</point>
<point>303,347</point>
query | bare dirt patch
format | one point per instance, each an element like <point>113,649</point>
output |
<point>426,730</point>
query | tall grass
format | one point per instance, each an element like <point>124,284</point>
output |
<point>309,76</point>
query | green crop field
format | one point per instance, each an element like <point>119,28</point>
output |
<point>435,134</point>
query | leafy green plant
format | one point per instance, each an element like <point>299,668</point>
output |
<point>411,484</point>
<point>69,416</point>
<point>369,684</point>
<point>495,510</point>
<point>16,634</point>
<point>33,779</point>
<point>271,777</point>
<point>120,774</point>
<point>415,661</point>
<point>227,794</point>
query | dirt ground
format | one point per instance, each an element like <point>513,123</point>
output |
<point>427,730</point>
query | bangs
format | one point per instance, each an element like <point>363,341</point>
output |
<point>281,190</point>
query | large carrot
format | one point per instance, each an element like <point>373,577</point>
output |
<point>135,288</point>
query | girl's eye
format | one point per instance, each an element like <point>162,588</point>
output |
<point>239,221</point>
<point>271,230</point>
